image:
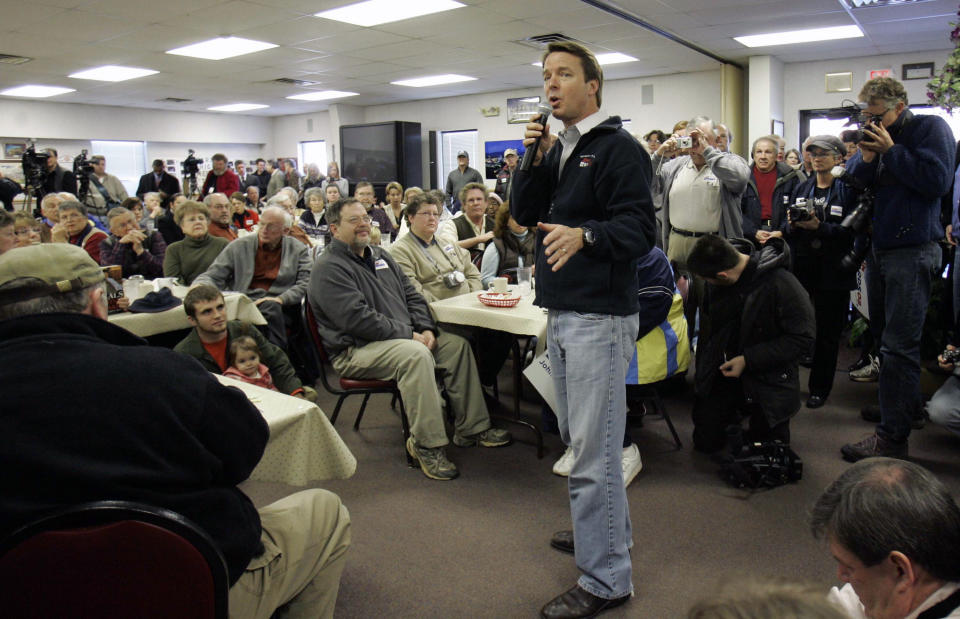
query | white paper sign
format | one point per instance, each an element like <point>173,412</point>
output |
<point>539,375</point>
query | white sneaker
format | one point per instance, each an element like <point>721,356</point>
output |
<point>869,373</point>
<point>630,463</point>
<point>563,466</point>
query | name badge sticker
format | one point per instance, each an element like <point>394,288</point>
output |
<point>448,249</point>
<point>711,180</point>
<point>836,210</point>
<point>380,264</point>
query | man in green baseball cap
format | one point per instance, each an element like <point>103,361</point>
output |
<point>53,275</point>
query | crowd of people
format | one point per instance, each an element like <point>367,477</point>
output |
<point>757,245</point>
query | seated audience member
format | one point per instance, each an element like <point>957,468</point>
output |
<point>312,221</point>
<point>50,215</point>
<point>26,229</point>
<point>152,209</point>
<point>213,337</point>
<point>283,201</point>
<point>9,189</point>
<point>220,179</point>
<point>243,217</point>
<point>894,531</point>
<point>364,194</point>
<point>270,267</point>
<point>511,243</point>
<point>185,447</point>
<point>817,243</point>
<point>77,229</point>
<point>294,196</point>
<point>763,202</point>
<point>494,202</point>
<point>766,600</point>
<point>138,252</point>
<point>193,255</point>
<point>221,216</point>
<point>410,192</point>
<point>245,363</point>
<point>473,228</point>
<point>167,222</point>
<point>375,325</point>
<point>395,204</point>
<point>252,197</point>
<point>8,234</point>
<point>755,324</point>
<point>333,178</point>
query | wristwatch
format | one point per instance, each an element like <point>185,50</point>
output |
<point>589,236</point>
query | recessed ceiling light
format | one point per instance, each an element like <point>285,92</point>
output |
<point>434,80</point>
<point>374,12</point>
<point>221,47</point>
<point>605,59</point>
<point>35,91</point>
<point>112,73</point>
<point>322,95</point>
<point>237,107</point>
<point>800,36</point>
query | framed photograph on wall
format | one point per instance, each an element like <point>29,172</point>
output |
<point>13,150</point>
<point>493,155</point>
<point>917,71</point>
<point>776,127</point>
<point>12,169</point>
<point>520,110</point>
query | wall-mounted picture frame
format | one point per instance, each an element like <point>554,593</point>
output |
<point>776,127</point>
<point>493,155</point>
<point>14,150</point>
<point>520,109</point>
<point>917,71</point>
<point>12,169</point>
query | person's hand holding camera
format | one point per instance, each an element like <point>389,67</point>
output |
<point>876,140</point>
<point>668,148</point>
<point>943,363</point>
<point>699,142</point>
<point>811,223</point>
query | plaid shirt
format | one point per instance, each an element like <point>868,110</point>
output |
<point>149,263</point>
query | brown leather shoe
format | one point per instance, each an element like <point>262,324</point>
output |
<point>579,604</point>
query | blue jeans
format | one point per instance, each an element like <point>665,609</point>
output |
<point>898,288</point>
<point>589,354</point>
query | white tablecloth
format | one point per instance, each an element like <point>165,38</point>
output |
<point>523,319</point>
<point>239,307</point>
<point>303,446</point>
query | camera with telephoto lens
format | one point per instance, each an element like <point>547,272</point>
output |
<point>951,355</point>
<point>857,116</point>
<point>684,141</point>
<point>34,166</point>
<point>82,169</point>
<point>453,279</point>
<point>800,211</point>
<point>190,165</point>
<point>766,464</point>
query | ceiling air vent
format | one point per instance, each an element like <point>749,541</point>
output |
<point>9,59</point>
<point>289,81</point>
<point>542,40</point>
<point>173,100</point>
<point>865,4</point>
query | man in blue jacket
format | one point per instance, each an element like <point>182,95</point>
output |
<point>909,161</point>
<point>589,194</point>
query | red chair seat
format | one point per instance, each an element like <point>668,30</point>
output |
<point>361,383</point>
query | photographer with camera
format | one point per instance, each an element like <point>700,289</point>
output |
<point>907,161</point>
<point>57,177</point>
<point>817,243</point>
<point>107,191</point>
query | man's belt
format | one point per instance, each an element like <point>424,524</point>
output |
<point>687,233</point>
<point>766,222</point>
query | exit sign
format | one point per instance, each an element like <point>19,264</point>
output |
<point>880,73</point>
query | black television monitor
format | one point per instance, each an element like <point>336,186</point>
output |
<point>369,152</point>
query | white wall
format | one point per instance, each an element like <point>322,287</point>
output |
<point>676,97</point>
<point>804,87</point>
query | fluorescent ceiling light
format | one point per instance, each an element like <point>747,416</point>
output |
<point>35,91</point>
<point>237,107</point>
<point>322,95</point>
<point>374,12</point>
<point>605,59</point>
<point>434,80</point>
<point>112,73</point>
<point>221,47</point>
<point>800,36</point>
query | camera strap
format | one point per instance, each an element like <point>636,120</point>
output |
<point>426,252</point>
<point>103,191</point>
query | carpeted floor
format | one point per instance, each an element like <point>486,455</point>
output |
<point>478,546</point>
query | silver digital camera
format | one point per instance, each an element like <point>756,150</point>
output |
<point>453,279</point>
<point>684,141</point>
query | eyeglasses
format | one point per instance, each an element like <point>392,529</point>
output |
<point>820,155</point>
<point>353,221</point>
<point>429,214</point>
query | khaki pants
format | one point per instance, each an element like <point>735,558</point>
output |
<point>305,537</point>
<point>678,251</point>
<point>412,364</point>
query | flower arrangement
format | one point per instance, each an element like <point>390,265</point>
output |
<point>944,89</point>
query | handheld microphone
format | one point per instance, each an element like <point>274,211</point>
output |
<point>543,112</point>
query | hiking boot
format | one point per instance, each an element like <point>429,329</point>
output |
<point>563,466</point>
<point>433,461</point>
<point>868,373</point>
<point>874,446</point>
<point>491,437</point>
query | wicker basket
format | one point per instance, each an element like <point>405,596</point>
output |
<point>498,299</point>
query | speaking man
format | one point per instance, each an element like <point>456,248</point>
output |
<point>588,192</point>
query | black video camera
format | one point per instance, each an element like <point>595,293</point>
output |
<point>857,115</point>
<point>82,169</point>
<point>34,166</point>
<point>191,165</point>
<point>762,465</point>
<point>858,221</point>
